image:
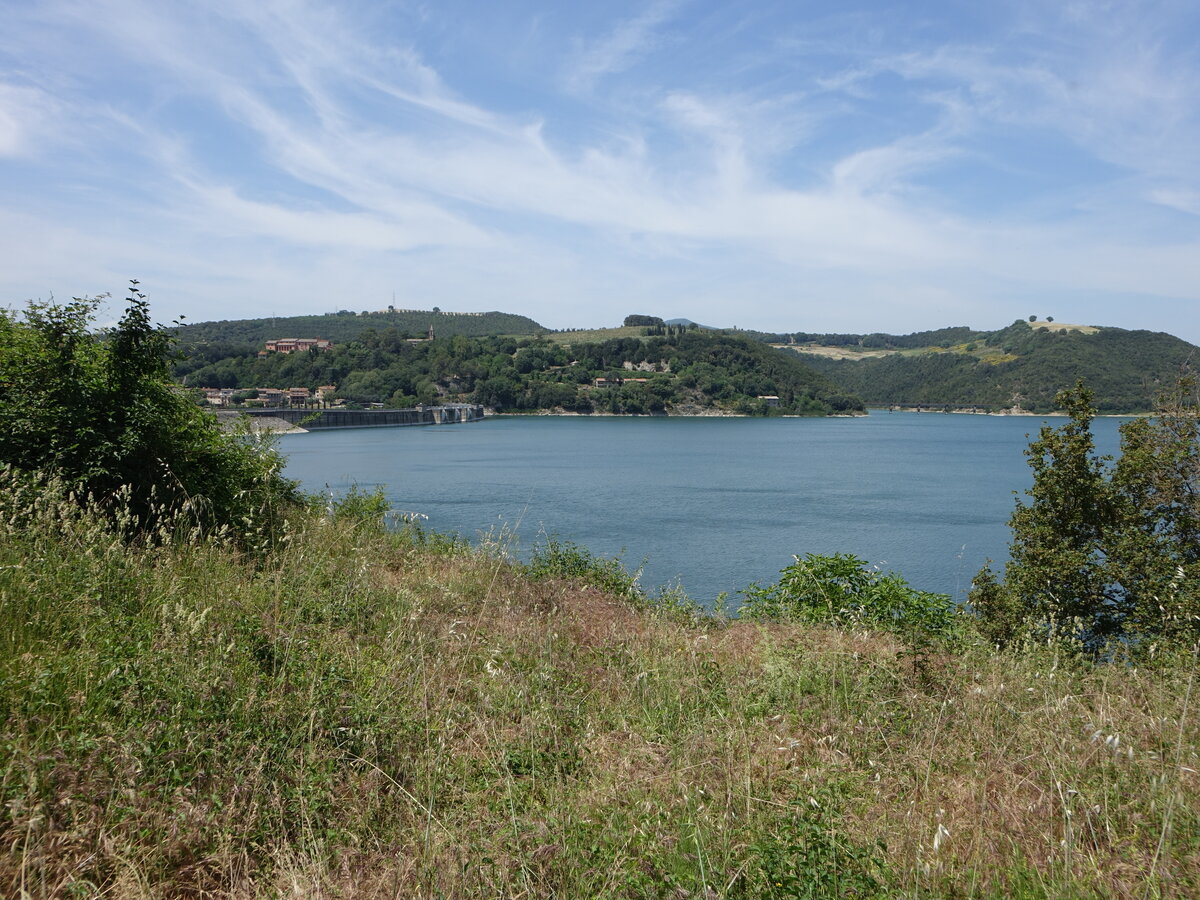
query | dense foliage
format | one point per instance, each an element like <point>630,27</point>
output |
<point>639,375</point>
<point>100,413</point>
<point>1020,365</point>
<point>1105,554</point>
<point>876,340</point>
<point>846,591</point>
<point>348,325</point>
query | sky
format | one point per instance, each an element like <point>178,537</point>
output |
<point>784,166</point>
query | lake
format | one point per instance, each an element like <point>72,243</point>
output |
<point>712,503</point>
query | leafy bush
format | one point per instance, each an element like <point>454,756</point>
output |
<point>554,558</point>
<point>368,510</point>
<point>806,855</point>
<point>843,590</point>
<point>100,412</point>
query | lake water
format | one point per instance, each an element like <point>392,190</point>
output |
<point>713,503</point>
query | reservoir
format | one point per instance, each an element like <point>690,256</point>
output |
<point>711,503</point>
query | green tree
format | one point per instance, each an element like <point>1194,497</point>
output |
<point>1155,555</point>
<point>1107,555</point>
<point>101,412</point>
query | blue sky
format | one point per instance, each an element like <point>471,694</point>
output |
<point>785,166</point>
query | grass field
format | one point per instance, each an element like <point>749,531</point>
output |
<point>1063,326</point>
<point>353,713</point>
<point>596,335</point>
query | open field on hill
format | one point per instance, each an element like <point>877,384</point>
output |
<point>596,335</point>
<point>1063,326</point>
<point>835,352</point>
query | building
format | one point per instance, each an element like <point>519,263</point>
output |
<point>296,345</point>
<point>218,396</point>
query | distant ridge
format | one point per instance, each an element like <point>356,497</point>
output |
<point>1018,368</point>
<point>345,326</point>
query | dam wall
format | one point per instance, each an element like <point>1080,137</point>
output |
<point>318,419</point>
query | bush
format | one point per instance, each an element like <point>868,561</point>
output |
<point>100,412</point>
<point>843,590</point>
<point>555,558</point>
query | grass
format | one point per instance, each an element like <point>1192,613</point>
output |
<point>353,712</point>
<point>596,335</point>
<point>1063,326</point>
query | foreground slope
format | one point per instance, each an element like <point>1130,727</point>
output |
<point>353,713</point>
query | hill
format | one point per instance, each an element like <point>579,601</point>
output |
<point>1023,365</point>
<point>346,326</point>
<point>683,372</point>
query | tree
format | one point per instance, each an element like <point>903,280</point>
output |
<point>100,412</point>
<point>1107,555</point>
<point>635,320</point>
<point>1155,555</point>
<point>1033,318</point>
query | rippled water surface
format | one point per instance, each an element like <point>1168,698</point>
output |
<point>714,503</point>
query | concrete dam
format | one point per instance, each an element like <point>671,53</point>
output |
<point>319,419</point>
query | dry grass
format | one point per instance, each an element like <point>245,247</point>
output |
<point>1063,326</point>
<point>368,715</point>
<point>840,351</point>
<point>596,335</point>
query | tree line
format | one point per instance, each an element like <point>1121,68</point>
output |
<point>624,375</point>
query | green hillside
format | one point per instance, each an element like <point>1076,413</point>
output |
<point>686,371</point>
<point>1021,365</point>
<point>346,326</point>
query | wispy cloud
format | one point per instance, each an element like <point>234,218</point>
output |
<point>297,141</point>
<point>27,116</point>
<point>621,47</point>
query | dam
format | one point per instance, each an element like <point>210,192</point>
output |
<point>322,419</point>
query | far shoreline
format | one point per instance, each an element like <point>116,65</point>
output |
<point>1002,413</point>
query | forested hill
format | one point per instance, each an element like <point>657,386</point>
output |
<point>682,372</point>
<point>1022,365</point>
<point>346,326</point>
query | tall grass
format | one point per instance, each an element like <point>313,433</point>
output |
<point>349,711</point>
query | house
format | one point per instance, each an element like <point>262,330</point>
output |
<point>296,345</point>
<point>218,396</point>
<point>770,399</point>
<point>298,396</point>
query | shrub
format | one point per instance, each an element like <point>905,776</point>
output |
<point>843,590</point>
<point>806,855</point>
<point>554,558</point>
